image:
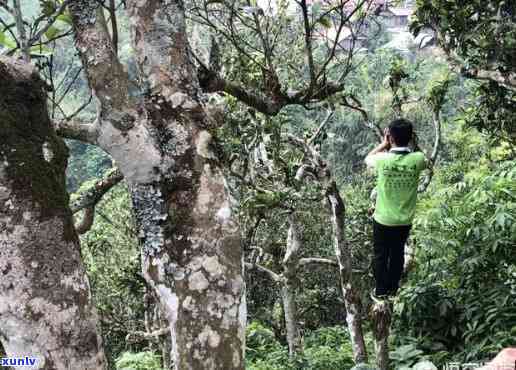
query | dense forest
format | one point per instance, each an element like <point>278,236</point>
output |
<point>183,184</point>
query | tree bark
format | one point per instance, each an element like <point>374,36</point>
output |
<point>288,287</point>
<point>45,302</point>
<point>381,317</point>
<point>349,286</point>
<point>190,241</point>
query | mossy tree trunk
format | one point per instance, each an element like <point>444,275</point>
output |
<point>162,143</point>
<point>45,302</point>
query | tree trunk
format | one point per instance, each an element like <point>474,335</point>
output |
<point>290,310</point>
<point>348,284</point>
<point>191,252</point>
<point>46,310</point>
<point>381,317</point>
<point>288,286</point>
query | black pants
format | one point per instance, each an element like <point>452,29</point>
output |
<point>389,256</point>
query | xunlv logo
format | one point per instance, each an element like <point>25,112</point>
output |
<point>17,361</point>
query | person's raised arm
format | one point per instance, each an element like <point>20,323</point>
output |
<point>383,146</point>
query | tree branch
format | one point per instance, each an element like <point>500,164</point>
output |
<point>317,261</point>
<point>106,75</point>
<point>85,224</point>
<point>5,5</point>
<point>436,119</point>
<point>20,26</point>
<point>272,275</point>
<point>77,130</point>
<point>91,196</point>
<point>142,336</point>
<point>50,22</point>
<point>308,45</point>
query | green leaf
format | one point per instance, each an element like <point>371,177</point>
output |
<point>40,50</point>
<point>65,17</point>
<point>6,41</point>
<point>52,32</point>
<point>325,22</point>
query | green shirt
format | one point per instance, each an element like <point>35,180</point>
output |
<point>398,180</point>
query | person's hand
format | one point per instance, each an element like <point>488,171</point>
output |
<point>370,211</point>
<point>385,142</point>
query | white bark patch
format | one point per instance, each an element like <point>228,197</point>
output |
<point>196,263</point>
<point>202,145</point>
<point>176,99</point>
<point>224,214</point>
<point>236,359</point>
<point>160,263</point>
<point>204,199</point>
<point>242,319</point>
<point>4,192</point>
<point>48,154</point>
<point>170,303</point>
<point>237,285</point>
<point>19,304</point>
<point>209,336</point>
<point>134,152</point>
<point>213,267</point>
<point>189,304</point>
<point>198,282</point>
<point>74,281</point>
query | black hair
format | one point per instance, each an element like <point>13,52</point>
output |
<point>400,131</point>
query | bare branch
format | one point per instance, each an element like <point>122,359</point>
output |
<point>210,81</point>
<point>431,160</point>
<point>272,275</point>
<point>142,336</point>
<point>5,5</point>
<point>20,26</point>
<point>321,126</point>
<point>91,196</point>
<point>317,261</point>
<point>308,45</point>
<point>85,224</point>
<point>77,130</point>
<point>357,106</point>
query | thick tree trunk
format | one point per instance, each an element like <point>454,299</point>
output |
<point>45,301</point>
<point>348,284</point>
<point>191,252</point>
<point>288,286</point>
<point>381,316</point>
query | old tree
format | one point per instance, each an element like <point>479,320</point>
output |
<point>161,142</point>
<point>160,138</point>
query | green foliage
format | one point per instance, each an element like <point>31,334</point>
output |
<point>480,32</point>
<point>86,162</point>
<point>429,311</point>
<point>459,298</point>
<point>493,110</point>
<point>479,38</point>
<point>325,348</point>
<point>110,253</point>
<point>138,361</point>
<point>405,356</point>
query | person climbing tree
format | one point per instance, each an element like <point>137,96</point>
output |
<point>397,169</point>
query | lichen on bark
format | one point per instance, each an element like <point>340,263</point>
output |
<point>45,303</point>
